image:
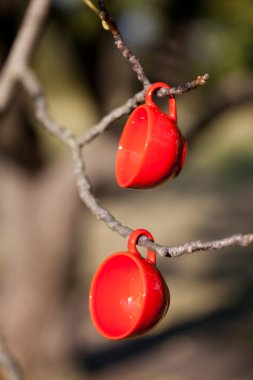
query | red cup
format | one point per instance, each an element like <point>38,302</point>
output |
<point>151,148</point>
<point>128,294</point>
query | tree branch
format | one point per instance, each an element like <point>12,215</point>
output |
<point>86,195</point>
<point>181,89</point>
<point>33,88</point>
<point>10,365</point>
<point>114,115</point>
<point>16,69</point>
<point>22,49</point>
<point>90,4</point>
<point>109,24</point>
<point>196,246</point>
<point>131,104</point>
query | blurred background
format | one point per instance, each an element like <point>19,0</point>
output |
<point>50,245</point>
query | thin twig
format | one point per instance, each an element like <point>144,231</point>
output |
<point>90,4</point>
<point>9,364</point>
<point>86,195</point>
<point>114,115</point>
<point>131,104</point>
<point>32,86</point>
<point>181,89</point>
<point>22,49</point>
<point>197,246</point>
<point>109,24</point>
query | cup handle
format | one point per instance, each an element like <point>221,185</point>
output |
<point>172,101</point>
<point>133,239</point>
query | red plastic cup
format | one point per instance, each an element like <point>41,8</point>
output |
<point>128,294</point>
<point>151,148</point>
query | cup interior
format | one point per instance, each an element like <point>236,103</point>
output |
<point>117,297</point>
<point>132,145</point>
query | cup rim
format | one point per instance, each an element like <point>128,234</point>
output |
<point>149,111</point>
<point>131,331</point>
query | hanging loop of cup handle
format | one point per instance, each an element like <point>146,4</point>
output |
<point>132,241</point>
<point>172,101</point>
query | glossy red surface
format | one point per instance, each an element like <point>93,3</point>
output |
<point>151,148</point>
<point>128,295</point>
